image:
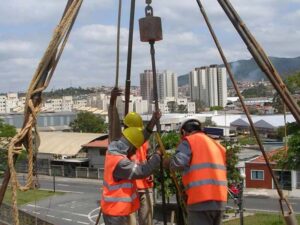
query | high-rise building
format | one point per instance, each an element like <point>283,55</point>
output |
<point>222,86</point>
<point>167,85</point>
<point>209,85</point>
<point>146,85</point>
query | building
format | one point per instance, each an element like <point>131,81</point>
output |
<point>209,85</point>
<point>259,176</point>
<point>45,121</point>
<point>3,104</point>
<point>146,85</point>
<point>167,85</point>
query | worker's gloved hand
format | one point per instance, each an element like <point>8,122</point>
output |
<point>154,119</point>
<point>156,115</point>
<point>115,92</point>
<point>166,162</point>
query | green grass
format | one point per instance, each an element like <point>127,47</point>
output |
<point>261,219</point>
<point>246,140</point>
<point>29,196</point>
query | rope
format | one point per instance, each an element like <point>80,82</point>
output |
<point>33,102</point>
<point>118,44</point>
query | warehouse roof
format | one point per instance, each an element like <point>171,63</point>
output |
<point>65,143</point>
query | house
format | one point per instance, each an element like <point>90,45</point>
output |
<point>96,151</point>
<point>64,154</point>
<point>258,175</point>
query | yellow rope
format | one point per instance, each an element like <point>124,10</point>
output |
<point>33,106</point>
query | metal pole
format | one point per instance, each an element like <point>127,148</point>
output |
<point>54,182</point>
<point>158,127</point>
<point>261,58</point>
<point>241,202</point>
<point>129,57</point>
<point>118,44</point>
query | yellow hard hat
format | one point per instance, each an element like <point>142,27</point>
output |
<point>133,119</point>
<point>134,135</point>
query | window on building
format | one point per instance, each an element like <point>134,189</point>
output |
<point>298,180</point>
<point>257,175</point>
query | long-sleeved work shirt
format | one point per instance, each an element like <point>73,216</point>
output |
<point>181,162</point>
<point>127,169</point>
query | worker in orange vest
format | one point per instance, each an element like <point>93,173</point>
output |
<point>119,197</point>
<point>119,170</point>
<point>145,185</point>
<point>203,163</point>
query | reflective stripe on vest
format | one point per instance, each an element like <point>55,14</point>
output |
<point>119,198</point>
<point>112,199</point>
<point>205,179</point>
<point>141,157</point>
<point>205,166</point>
<point>117,186</point>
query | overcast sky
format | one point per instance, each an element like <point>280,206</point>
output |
<point>89,58</point>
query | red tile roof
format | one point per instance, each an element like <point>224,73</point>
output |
<point>270,154</point>
<point>97,144</point>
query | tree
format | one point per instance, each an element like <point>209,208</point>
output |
<point>200,106</point>
<point>182,109</point>
<point>170,141</point>
<point>88,122</point>
<point>291,128</point>
<point>232,149</point>
<point>290,159</point>
<point>172,105</point>
<point>216,108</point>
<point>293,85</point>
<point>6,132</point>
<point>258,91</point>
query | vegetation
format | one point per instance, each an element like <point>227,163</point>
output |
<point>261,219</point>
<point>217,108</point>
<point>293,84</point>
<point>257,91</point>
<point>6,132</point>
<point>233,174</point>
<point>71,91</point>
<point>175,108</point>
<point>87,122</point>
<point>291,128</point>
<point>29,196</point>
<point>200,106</point>
<point>290,159</point>
<point>171,140</point>
<point>247,140</point>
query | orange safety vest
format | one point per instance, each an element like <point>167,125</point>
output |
<point>119,198</point>
<point>205,179</point>
<point>140,157</point>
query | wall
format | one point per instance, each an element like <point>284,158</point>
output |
<point>266,183</point>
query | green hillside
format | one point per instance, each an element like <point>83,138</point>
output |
<point>247,70</point>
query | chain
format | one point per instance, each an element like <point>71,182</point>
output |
<point>148,8</point>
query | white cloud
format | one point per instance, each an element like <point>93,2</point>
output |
<point>27,27</point>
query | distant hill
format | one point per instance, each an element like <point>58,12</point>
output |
<point>183,80</point>
<point>247,70</point>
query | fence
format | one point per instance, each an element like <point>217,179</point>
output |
<point>65,171</point>
<point>92,173</point>
<point>24,218</point>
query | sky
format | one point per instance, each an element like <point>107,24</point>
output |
<point>89,59</point>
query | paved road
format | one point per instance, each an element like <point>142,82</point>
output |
<point>266,204</point>
<point>80,204</point>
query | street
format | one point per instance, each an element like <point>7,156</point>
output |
<point>80,204</point>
